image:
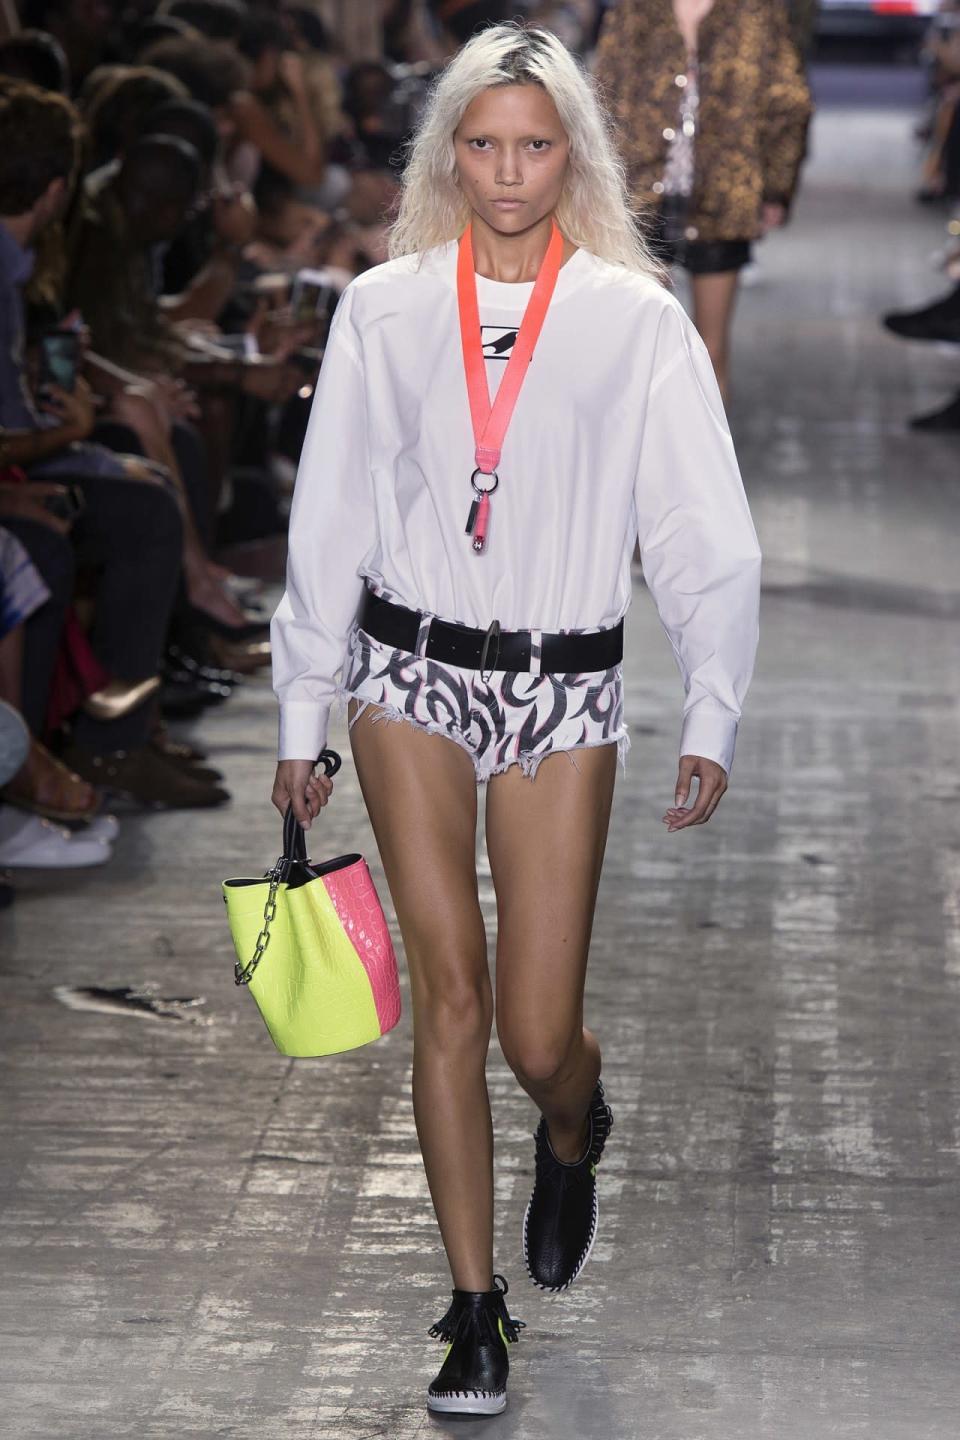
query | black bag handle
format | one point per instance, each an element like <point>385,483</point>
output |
<point>294,841</point>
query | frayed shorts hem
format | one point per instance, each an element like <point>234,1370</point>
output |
<point>527,763</point>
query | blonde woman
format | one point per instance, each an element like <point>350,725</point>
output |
<point>466,570</point>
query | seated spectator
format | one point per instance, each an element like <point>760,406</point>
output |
<point>276,114</point>
<point>32,612</point>
<point>216,19</point>
<point>940,319</point>
<point>139,205</point>
<point>941,166</point>
<point>210,72</point>
<point>38,58</point>
<point>139,34</point>
<point>129,531</point>
<point>81,27</point>
<point>116,100</point>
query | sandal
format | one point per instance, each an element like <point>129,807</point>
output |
<point>45,786</point>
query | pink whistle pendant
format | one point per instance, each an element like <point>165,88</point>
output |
<point>480,524</point>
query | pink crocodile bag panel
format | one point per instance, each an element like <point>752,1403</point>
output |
<point>360,913</point>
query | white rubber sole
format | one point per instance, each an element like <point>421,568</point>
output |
<point>558,1289</point>
<point>467,1402</point>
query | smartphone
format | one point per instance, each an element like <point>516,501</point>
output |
<point>310,295</point>
<point>59,359</point>
<point>67,506</point>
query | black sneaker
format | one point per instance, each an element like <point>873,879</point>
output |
<point>939,321</point>
<point>560,1221</point>
<point>945,419</point>
<point>473,1376</point>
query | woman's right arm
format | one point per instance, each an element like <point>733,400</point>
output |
<point>332,530</point>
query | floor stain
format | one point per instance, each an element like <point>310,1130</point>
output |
<point>138,1001</point>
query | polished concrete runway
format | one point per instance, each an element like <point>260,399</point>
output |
<point>199,1238</point>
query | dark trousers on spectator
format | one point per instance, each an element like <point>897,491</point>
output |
<point>188,447</point>
<point>131,534</point>
<point>53,556</point>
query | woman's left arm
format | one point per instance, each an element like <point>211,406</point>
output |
<point>786,108</point>
<point>701,559</point>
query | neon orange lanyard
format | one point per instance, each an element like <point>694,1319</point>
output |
<point>490,422</point>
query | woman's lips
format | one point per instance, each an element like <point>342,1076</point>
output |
<point>508,204</point>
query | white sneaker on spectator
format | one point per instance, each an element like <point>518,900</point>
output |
<point>98,827</point>
<point>14,741</point>
<point>27,842</point>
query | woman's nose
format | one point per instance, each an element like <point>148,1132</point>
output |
<point>508,171</point>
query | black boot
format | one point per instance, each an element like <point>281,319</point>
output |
<point>939,321</point>
<point>473,1376</point>
<point>945,419</point>
<point>560,1222</point>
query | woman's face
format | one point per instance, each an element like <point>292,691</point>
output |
<point>512,154</point>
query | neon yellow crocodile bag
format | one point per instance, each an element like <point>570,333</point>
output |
<point>313,947</point>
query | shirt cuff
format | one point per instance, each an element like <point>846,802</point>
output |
<point>303,729</point>
<point>710,732</point>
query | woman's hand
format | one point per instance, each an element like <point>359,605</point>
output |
<point>75,409</point>
<point>712,784</point>
<point>297,785</point>
<point>772,216</point>
<point>27,502</point>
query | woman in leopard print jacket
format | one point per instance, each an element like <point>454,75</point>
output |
<point>712,108</point>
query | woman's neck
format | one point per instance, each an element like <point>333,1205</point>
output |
<point>513,259</point>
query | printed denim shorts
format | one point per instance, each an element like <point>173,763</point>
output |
<point>509,718</point>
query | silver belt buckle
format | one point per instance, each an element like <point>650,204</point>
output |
<point>493,633</point>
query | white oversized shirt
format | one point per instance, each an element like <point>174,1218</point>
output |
<point>618,431</point>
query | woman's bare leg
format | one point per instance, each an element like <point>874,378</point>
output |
<point>421,795</point>
<point>546,839</point>
<point>714,297</point>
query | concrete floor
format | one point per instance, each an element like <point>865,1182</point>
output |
<point>201,1239</point>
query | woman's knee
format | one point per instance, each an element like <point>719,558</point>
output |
<point>538,1055</point>
<point>452,1010</point>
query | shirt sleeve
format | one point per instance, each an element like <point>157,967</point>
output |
<point>332,529</point>
<point>699,549</point>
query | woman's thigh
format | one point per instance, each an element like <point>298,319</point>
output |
<point>546,840</point>
<point>420,792</point>
<point>714,296</point>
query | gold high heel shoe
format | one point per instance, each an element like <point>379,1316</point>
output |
<point>120,697</point>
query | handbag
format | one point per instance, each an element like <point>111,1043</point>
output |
<point>313,947</point>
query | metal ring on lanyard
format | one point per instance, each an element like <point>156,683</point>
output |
<point>480,488</point>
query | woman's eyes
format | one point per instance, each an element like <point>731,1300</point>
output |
<point>537,146</point>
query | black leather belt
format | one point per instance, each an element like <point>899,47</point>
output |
<point>490,649</point>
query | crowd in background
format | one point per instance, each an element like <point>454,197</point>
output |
<point>940,188</point>
<point>185,189</point>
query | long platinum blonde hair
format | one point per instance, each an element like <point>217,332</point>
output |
<point>594,211</point>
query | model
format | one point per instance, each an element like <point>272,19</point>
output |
<point>713,110</point>
<point>477,598</point>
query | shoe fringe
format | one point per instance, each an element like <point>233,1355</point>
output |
<point>458,1320</point>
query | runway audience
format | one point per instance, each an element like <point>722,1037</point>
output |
<point>167,171</point>
<point>185,188</point>
<point>940,186</point>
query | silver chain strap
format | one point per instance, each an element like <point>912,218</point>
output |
<point>244,973</point>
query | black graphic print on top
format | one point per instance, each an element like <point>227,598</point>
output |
<point>498,341</point>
